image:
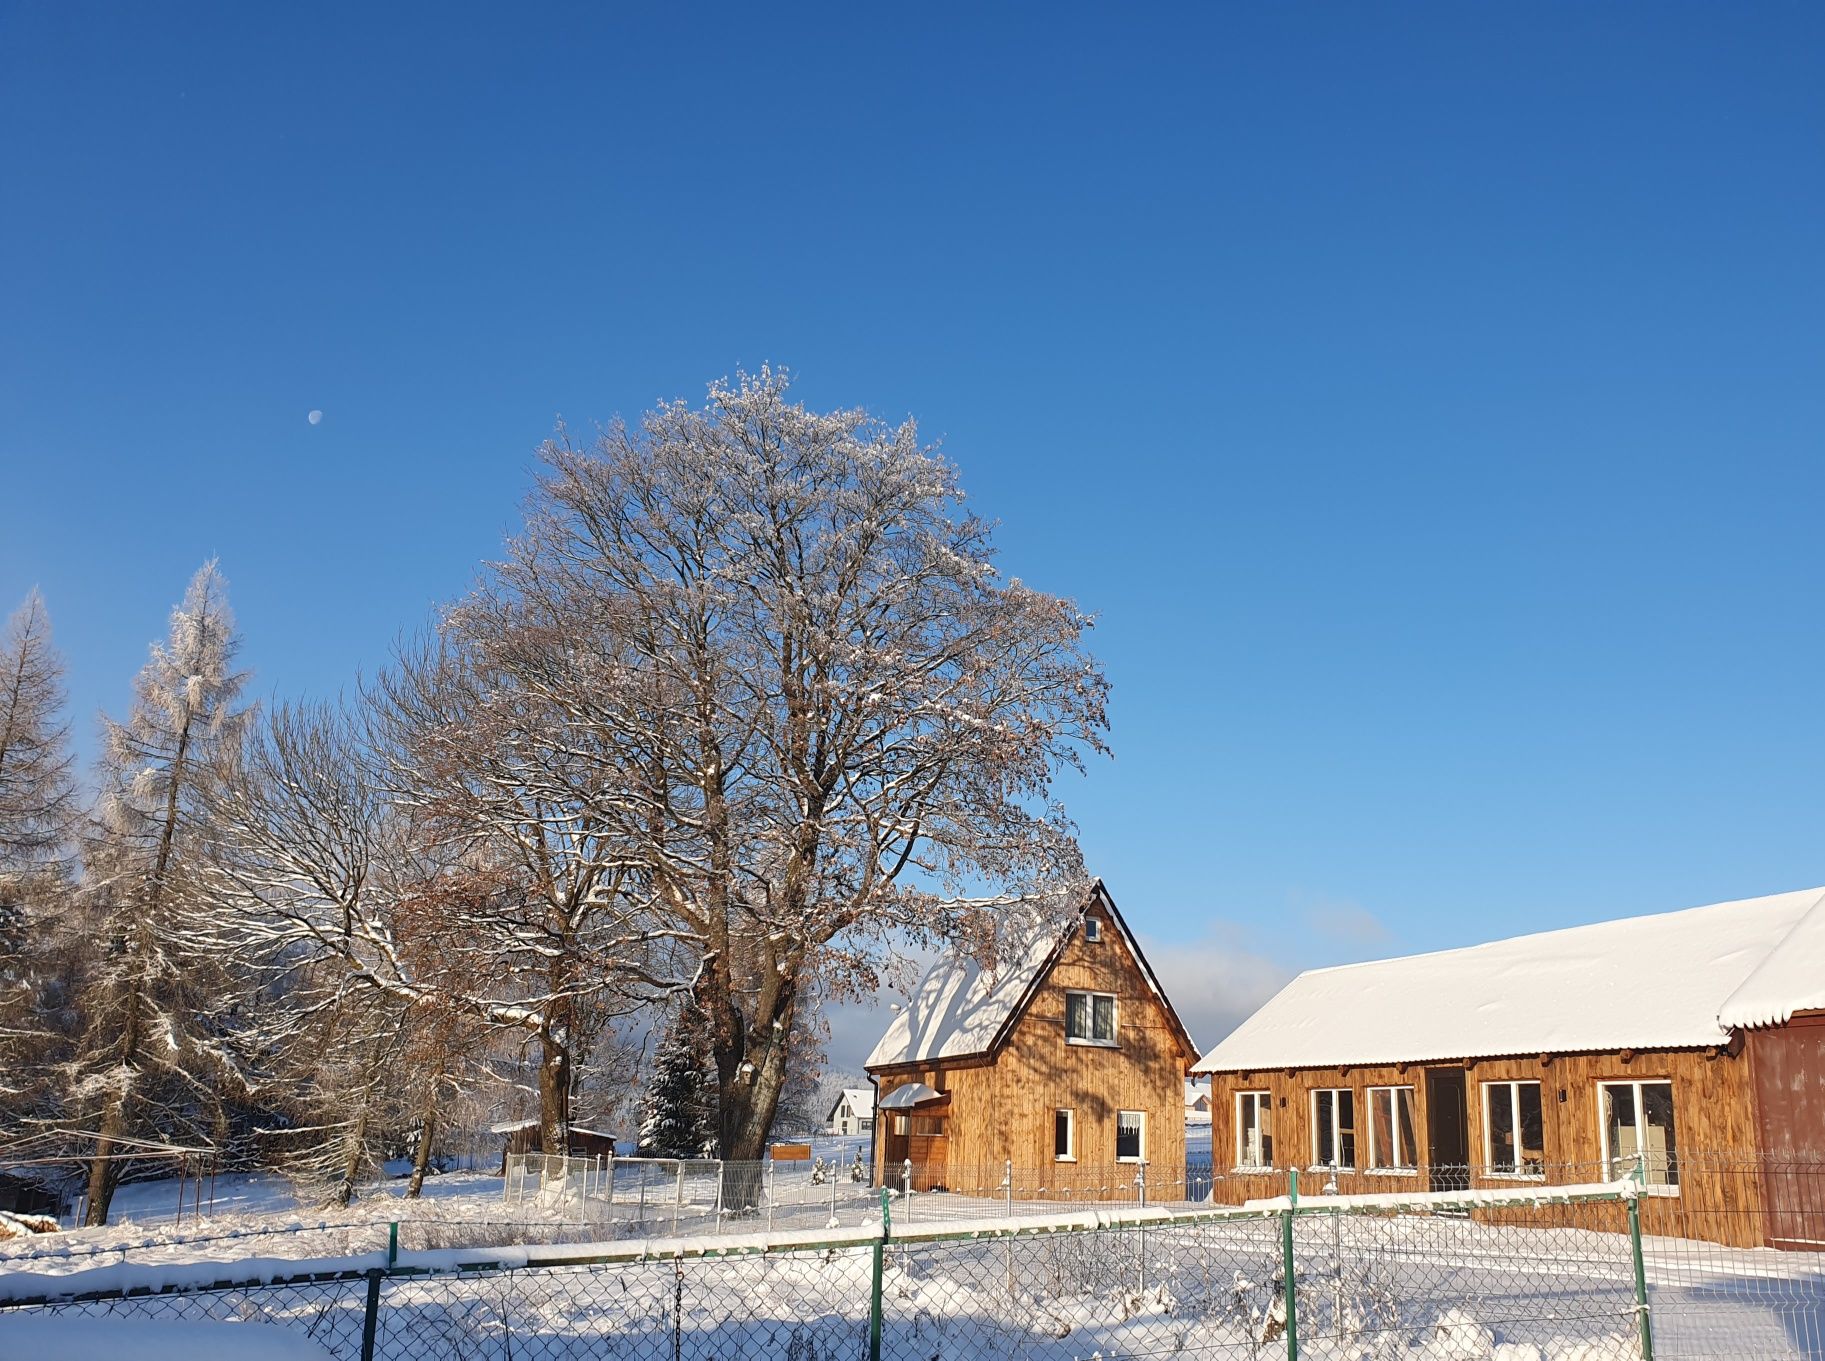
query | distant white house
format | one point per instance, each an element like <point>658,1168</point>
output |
<point>1197,1103</point>
<point>853,1112</point>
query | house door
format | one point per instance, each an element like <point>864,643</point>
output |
<point>1447,1130</point>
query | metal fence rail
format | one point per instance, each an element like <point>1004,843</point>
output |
<point>1324,1277</point>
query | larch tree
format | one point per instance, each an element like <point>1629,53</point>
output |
<point>825,723</point>
<point>38,810</point>
<point>141,1071</point>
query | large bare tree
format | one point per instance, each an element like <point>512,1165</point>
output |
<point>821,722</point>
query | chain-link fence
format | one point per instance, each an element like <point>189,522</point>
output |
<point>1425,1276</point>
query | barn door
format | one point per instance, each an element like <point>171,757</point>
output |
<point>1789,1066</point>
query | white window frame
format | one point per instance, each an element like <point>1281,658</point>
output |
<point>1140,1157</point>
<point>1656,1188</point>
<point>1312,1110</point>
<point>1093,930</point>
<point>1115,1018</point>
<point>1070,1153</point>
<point>1512,1087</point>
<point>1261,1101</point>
<point>1378,1164</point>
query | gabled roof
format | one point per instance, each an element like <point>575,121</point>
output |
<point>1677,980</point>
<point>860,1099</point>
<point>961,1009</point>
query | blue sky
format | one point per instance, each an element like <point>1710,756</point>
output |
<point>1426,397</point>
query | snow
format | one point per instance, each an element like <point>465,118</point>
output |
<point>1790,979</point>
<point>1673,980</point>
<point>110,1339</point>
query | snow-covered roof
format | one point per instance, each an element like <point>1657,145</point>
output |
<point>859,1099</point>
<point>961,1008</point>
<point>1675,980</point>
<point>515,1126</point>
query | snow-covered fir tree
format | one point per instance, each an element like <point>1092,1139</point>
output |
<point>678,1119</point>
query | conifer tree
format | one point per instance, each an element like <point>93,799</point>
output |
<point>140,1070</point>
<point>678,1120</point>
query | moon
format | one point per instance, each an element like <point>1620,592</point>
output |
<point>315,418</point>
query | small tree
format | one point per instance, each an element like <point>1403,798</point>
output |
<point>678,1119</point>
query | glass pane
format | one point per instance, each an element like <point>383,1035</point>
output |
<point>1346,1129</point>
<point>1128,1135</point>
<point>1267,1129</point>
<point>1077,1020</point>
<point>1323,1129</point>
<point>1619,1123</point>
<point>1404,1110</point>
<point>1384,1151</point>
<point>1500,1099</point>
<point>1657,1121</point>
<point>1105,1019</point>
<point>1533,1149</point>
<point>1061,1134</point>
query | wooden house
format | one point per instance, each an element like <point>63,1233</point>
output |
<point>522,1136</point>
<point>1689,1045</point>
<point>1067,1061</point>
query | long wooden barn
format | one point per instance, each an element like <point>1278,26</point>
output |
<point>1067,1061</point>
<point>1687,1048</point>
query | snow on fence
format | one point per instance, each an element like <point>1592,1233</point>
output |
<point>1421,1276</point>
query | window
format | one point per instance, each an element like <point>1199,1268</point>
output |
<point>1090,1017</point>
<point>1064,1136</point>
<point>1638,1131</point>
<point>928,1125</point>
<point>1391,1144</point>
<point>1254,1129</point>
<point>1512,1141</point>
<point>1334,1127</point>
<point>1130,1136</point>
<point>1093,930</point>
<point>867,1123</point>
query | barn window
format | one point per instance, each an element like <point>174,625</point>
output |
<point>1064,1136</point>
<point>1334,1127</point>
<point>1090,1017</point>
<point>1638,1131</point>
<point>1130,1136</point>
<point>1093,930</point>
<point>1513,1144</point>
<point>1391,1144</point>
<point>1254,1129</point>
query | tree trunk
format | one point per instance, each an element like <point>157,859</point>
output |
<point>554,1096</point>
<point>104,1171</point>
<point>421,1156</point>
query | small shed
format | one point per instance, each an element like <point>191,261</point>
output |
<point>522,1136</point>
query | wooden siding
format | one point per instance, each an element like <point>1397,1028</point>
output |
<point>1002,1105</point>
<point>1789,1066</point>
<point>1713,1118</point>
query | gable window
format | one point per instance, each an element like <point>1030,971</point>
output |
<point>1130,1136</point>
<point>1638,1131</point>
<point>1391,1144</point>
<point>1334,1127</point>
<point>1513,1145</point>
<point>1254,1130</point>
<point>1090,1017</point>
<point>1064,1136</point>
<point>1093,930</point>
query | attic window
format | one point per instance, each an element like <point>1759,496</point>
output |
<point>1093,929</point>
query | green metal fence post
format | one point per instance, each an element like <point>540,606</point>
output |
<point>874,1293</point>
<point>1641,1278</point>
<point>392,1244</point>
<point>370,1320</point>
<point>1290,1291</point>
